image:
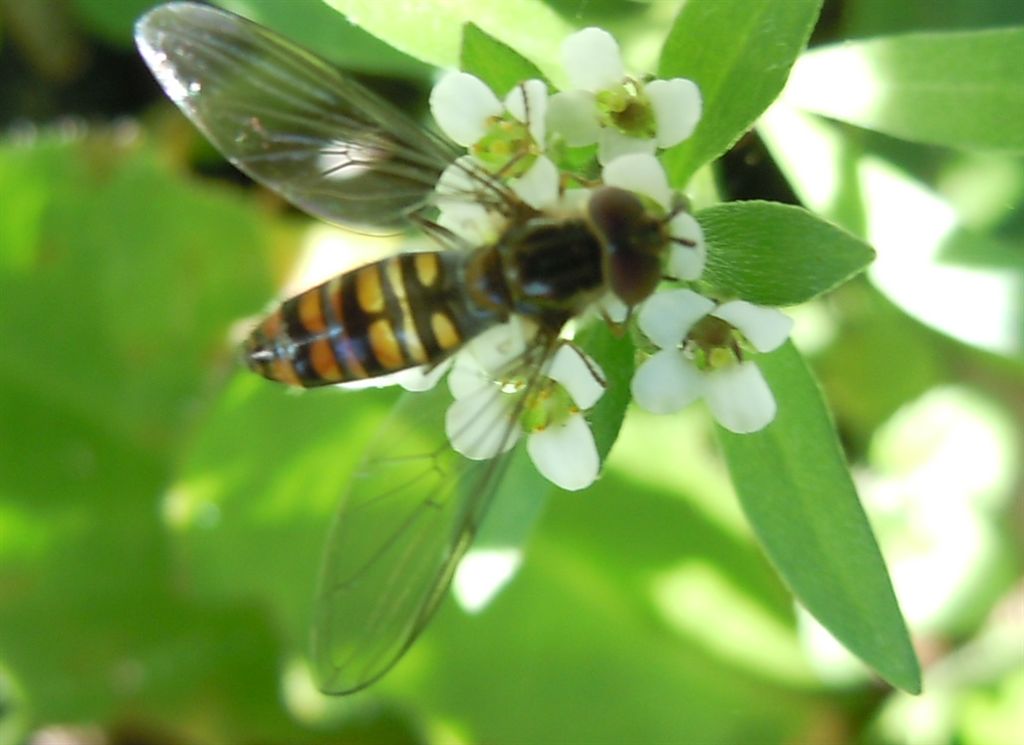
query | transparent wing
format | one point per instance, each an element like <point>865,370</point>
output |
<point>410,515</point>
<point>289,119</point>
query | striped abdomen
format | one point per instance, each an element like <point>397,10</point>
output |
<point>401,312</point>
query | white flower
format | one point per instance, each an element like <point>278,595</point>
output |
<point>459,209</point>
<point>698,358</point>
<point>620,113</point>
<point>643,174</point>
<point>464,107</point>
<point>500,135</point>
<point>464,214</point>
<point>486,418</point>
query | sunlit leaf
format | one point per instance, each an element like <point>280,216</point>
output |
<point>916,232</point>
<point>962,89</point>
<point>316,26</point>
<point>432,30</point>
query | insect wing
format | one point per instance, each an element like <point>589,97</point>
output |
<point>410,515</point>
<point>289,119</point>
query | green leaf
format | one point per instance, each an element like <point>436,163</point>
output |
<point>431,30</point>
<point>958,89</point>
<point>315,26</point>
<point>795,487</point>
<point>115,304</point>
<point>615,355</point>
<point>497,64</point>
<point>111,21</point>
<point>739,53</point>
<point>912,227</point>
<point>866,18</point>
<point>777,254</point>
<point>593,613</point>
<point>279,485</point>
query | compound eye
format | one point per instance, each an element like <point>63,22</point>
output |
<point>615,213</point>
<point>632,243</point>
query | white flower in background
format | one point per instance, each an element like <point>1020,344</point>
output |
<point>618,112</point>
<point>489,413</point>
<point>506,137</point>
<point>699,357</point>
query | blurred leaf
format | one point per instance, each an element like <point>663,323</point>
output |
<point>910,226</point>
<point>958,89</point>
<point>48,40</point>
<point>796,490</point>
<point>114,309</point>
<point>266,470</point>
<point>431,30</point>
<point>312,24</point>
<point>879,17</point>
<point>134,331</point>
<point>777,254</point>
<point>587,618</point>
<point>497,64</point>
<point>739,53</point>
<point>112,21</point>
<point>858,374</point>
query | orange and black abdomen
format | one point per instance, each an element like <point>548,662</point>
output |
<point>401,312</point>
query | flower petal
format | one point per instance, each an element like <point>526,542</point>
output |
<point>739,398</point>
<point>677,107</point>
<point>686,261</point>
<point>565,454</point>
<point>479,426</point>
<point>666,382</point>
<point>472,223</point>
<point>421,378</point>
<point>528,102</point>
<point>612,144</point>
<point>573,115</point>
<point>765,328</point>
<point>612,308</point>
<point>460,210</point>
<point>577,373</point>
<point>495,348</point>
<point>641,173</point>
<point>459,183</point>
<point>461,104</point>
<point>592,60</point>
<point>667,317</point>
<point>538,187</point>
<point>467,376</point>
<point>574,201</point>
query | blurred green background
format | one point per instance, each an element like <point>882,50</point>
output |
<point>162,513</point>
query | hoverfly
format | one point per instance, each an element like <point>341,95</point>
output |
<point>334,149</point>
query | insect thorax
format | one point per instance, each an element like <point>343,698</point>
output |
<point>552,268</point>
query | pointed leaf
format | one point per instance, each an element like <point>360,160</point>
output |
<point>795,487</point>
<point>495,63</point>
<point>739,53</point>
<point>777,254</point>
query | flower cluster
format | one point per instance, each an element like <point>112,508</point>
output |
<point>534,142</point>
